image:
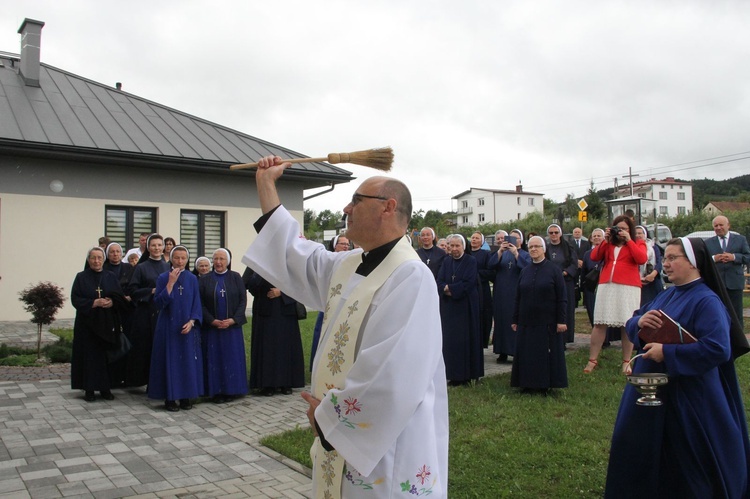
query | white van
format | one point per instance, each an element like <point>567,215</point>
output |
<point>665,234</point>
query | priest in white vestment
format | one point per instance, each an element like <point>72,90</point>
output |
<point>379,403</point>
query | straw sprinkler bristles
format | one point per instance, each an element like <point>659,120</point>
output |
<point>380,159</point>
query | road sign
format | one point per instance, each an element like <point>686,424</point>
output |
<point>582,204</point>
<point>582,216</point>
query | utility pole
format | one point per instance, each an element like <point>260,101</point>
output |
<point>630,175</point>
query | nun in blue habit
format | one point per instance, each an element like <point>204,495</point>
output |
<point>695,444</point>
<point>224,299</point>
<point>176,360</point>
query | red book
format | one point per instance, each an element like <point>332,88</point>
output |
<point>670,332</point>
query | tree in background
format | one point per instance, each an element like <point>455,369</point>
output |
<point>596,208</point>
<point>316,223</point>
<point>42,301</point>
<point>327,219</point>
<point>431,218</point>
<point>309,218</point>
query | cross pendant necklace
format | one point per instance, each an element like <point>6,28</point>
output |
<point>180,288</point>
<point>453,266</point>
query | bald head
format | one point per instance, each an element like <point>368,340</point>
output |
<point>379,212</point>
<point>392,188</point>
<point>721,225</point>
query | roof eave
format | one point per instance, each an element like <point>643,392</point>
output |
<point>73,153</point>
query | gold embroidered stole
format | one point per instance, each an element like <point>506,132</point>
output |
<point>336,355</point>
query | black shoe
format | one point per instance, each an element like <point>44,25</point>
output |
<point>502,358</point>
<point>228,398</point>
<point>107,395</point>
<point>268,392</point>
<point>218,399</point>
<point>185,404</point>
<point>89,397</point>
<point>286,390</point>
<point>171,406</point>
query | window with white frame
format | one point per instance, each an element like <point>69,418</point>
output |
<point>663,210</point>
<point>681,210</point>
<point>465,220</point>
<point>464,204</point>
<point>680,196</point>
<point>481,217</point>
<point>662,195</point>
<point>480,202</point>
<point>531,201</point>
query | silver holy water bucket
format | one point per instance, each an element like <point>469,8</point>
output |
<point>647,385</point>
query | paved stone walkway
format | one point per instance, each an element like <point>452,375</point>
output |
<point>54,444</point>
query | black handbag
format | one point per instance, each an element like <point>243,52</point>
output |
<point>301,311</point>
<point>591,281</point>
<point>120,351</point>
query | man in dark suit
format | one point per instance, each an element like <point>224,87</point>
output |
<point>731,253</point>
<point>581,246</point>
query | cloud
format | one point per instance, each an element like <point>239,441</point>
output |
<point>469,94</point>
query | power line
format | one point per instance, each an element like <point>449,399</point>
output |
<point>596,180</point>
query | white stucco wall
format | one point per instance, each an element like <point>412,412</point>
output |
<point>46,238</point>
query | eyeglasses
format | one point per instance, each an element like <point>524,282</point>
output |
<point>553,232</point>
<point>672,258</point>
<point>536,246</point>
<point>356,198</point>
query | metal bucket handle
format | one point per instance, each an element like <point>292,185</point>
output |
<point>635,357</point>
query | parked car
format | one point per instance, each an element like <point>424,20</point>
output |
<point>665,234</point>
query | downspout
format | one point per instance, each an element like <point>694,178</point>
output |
<point>320,193</point>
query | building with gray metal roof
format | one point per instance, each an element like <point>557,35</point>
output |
<point>80,160</point>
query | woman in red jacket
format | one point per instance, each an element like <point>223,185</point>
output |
<point>619,290</point>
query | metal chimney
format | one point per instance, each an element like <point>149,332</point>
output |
<point>31,40</point>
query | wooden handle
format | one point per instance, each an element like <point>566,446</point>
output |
<point>295,160</point>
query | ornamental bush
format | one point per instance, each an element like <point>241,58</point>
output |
<point>42,301</point>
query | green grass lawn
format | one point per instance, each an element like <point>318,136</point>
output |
<point>503,443</point>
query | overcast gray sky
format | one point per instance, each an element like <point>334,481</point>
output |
<point>468,94</point>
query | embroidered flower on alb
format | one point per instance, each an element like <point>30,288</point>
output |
<point>352,405</point>
<point>423,473</point>
<point>357,480</point>
<point>422,476</point>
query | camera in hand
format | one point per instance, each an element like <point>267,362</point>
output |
<point>614,233</point>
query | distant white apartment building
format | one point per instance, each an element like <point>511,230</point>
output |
<point>480,206</point>
<point>672,196</point>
